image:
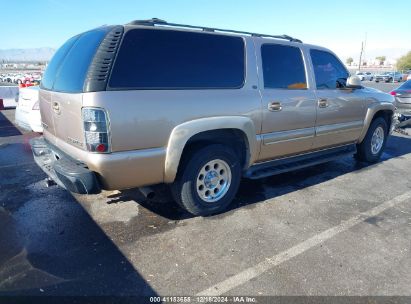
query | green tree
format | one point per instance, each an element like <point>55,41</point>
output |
<point>349,61</point>
<point>381,59</point>
<point>404,63</point>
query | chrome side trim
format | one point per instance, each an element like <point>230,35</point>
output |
<point>284,136</point>
<point>338,128</point>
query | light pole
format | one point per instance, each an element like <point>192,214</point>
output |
<point>359,63</point>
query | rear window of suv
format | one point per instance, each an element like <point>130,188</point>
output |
<point>67,70</point>
<point>167,59</point>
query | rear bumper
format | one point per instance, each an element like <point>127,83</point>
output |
<point>64,170</point>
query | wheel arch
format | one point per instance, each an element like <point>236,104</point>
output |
<point>385,110</point>
<point>236,131</point>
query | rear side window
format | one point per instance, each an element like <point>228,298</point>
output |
<point>283,67</point>
<point>329,71</point>
<point>68,68</point>
<point>166,59</point>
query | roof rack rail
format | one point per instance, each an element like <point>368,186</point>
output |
<point>156,21</point>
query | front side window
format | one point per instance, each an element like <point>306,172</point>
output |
<point>168,59</point>
<point>329,71</point>
<point>283,67</point>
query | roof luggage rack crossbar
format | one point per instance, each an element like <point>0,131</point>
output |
<point>156,21</point>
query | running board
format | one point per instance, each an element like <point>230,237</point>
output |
<point>298,162</point>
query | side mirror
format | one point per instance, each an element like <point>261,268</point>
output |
<point>354,82</point>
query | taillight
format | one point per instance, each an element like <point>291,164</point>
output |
<point>36,106</point>
<point>393,93</point>
<point>96,131</point>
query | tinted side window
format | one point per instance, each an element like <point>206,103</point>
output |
<point>283,67</point>
<point>167,59</point>
<point>329,71</point>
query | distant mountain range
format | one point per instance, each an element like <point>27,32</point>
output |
<point>34,54</point>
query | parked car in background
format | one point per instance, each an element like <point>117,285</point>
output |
<point>9,94</point>
<point>389,77</point>
<point>365,75</point>
<point>28,111</point>
<point>20,79</point>
<point>3,78</point>
<point>402,96</point>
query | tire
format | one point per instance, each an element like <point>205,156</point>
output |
<point>367,150</point>
<point>194,180</point>
<point>18,81</point>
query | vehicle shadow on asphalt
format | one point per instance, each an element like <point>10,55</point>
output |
<point>7,127</point>
<point>50,246</point>
<point>252,192</point>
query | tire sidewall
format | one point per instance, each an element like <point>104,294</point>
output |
<point>190,199</point>
<point>378,122</point>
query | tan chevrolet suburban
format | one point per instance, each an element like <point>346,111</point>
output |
<point>199,108</point>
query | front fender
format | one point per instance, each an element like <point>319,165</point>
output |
<point>183,132</point>
<point>371,111</point>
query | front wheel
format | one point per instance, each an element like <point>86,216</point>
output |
<point>371,148</point>
<point>208,180</point>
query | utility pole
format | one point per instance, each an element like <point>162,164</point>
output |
<point>359,63</point>
<point>363,43</point>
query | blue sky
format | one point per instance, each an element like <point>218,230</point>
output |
<point>339,25</point>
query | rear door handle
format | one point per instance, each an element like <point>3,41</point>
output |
<point>275,106</point>
<point>323,103</point>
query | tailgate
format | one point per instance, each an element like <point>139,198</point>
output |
<point>61,117</point>
<point>66,78</point>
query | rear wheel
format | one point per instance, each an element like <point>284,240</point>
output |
<point>208,180</point>
<point>371,148</point>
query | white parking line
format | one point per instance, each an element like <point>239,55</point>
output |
<point>255,271</point>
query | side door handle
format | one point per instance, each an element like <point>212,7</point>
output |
<point>275,106</point>
<point>323,103</point>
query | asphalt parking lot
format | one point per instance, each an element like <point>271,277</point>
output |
<point>341,228</point>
